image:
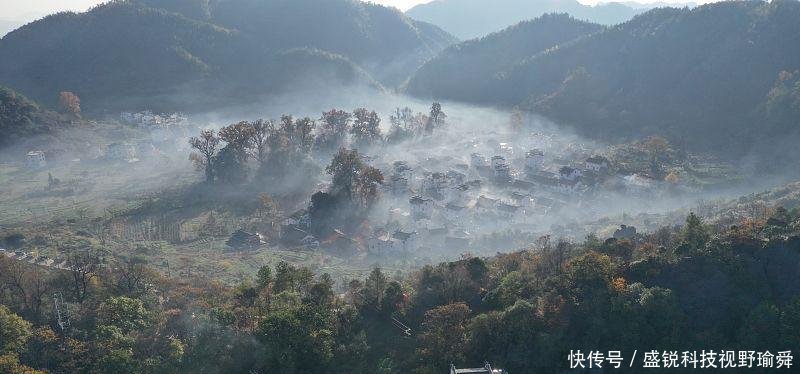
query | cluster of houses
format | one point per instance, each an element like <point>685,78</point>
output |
<point>148,118</point>
<point>165,129</point>
<point>444,204</point>
<point>447,203</point>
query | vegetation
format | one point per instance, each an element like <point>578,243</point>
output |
<point>181,55</point>
<point>693,287</point>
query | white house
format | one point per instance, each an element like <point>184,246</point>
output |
<point>35,160</point>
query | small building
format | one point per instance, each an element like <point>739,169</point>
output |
<point>383,244</point>
<point>455,178</point>
<point>569,186</point>
<point>401,169</point>
<point>507,210</point>
<point>569,173</point>
<point>502,173</point>
<point>299,218</point>
<point>244,240</point>
<point>597,164</point>
<point>534,160</point>
<point>498,160</point>
<point>477,161</point>
<point>486,369</point>
<point>121,151</point>
<point>486,204</point>
<point>625,232</point>
<point>398,184</point>
<point>421,207</point>
<point>35,160</point>
<point>460,194</point>
<point>406,239</point>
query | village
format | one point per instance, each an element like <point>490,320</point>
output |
<point>442,195</point>
<point>442,203</point>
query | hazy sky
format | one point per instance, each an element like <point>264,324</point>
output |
<point>28,10</point>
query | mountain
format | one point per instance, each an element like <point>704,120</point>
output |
<point>172,52</point>
<point>463,70</point>
<point>700,77</point>
<point>469,19</point>
<point>8,25</point>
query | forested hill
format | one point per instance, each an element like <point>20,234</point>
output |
<point>157,52</point>
<point>701,76</point>
<point>20,117</point>
<point>463,70</point>
<point>469,19</point>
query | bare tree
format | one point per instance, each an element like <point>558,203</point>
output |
<point>84,265</point>
<point>262,129</point>
<point>206,144</point>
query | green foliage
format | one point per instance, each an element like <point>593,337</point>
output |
<point>694,235</point>
<point>125,313</point>
<point>14,332</point>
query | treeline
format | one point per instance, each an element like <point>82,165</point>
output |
<point>287,146</point>
<point>692,287</point>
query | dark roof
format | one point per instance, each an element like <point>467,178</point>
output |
<point>418,200</point>
<point>597,159</point>
<point>519,183</point>
<point>403,236</point>
<point>566,170</point>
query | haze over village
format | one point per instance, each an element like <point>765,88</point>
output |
<point>446,186</point>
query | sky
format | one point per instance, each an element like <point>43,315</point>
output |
<point>14,13</point>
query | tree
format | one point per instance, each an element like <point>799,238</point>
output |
<point>443,334</point>
<point>69,103</point>
<point>436,119</point>
<point>366,128</point>
<point>304,138</point>
<point>335,126</point>
<point>369,178</point>
<point>84,265</point>
<point>231,161</point>
<point>284,277</point>
<point>264,277</point>
<point>345,168</point>
<point>694,234</point>
<point>374,288</point>
<point>131,275</point>
<point>261,131</point>
<point>206,144</point>
<point>402,125</point>
<point>14,332</point>
<point>125,313</point>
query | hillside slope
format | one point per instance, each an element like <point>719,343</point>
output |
<point>469,19</point>
<point>468,68</point>
<point>175,53</point>
<point>700,77</point>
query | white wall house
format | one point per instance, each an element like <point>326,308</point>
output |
<point>35,160</point>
